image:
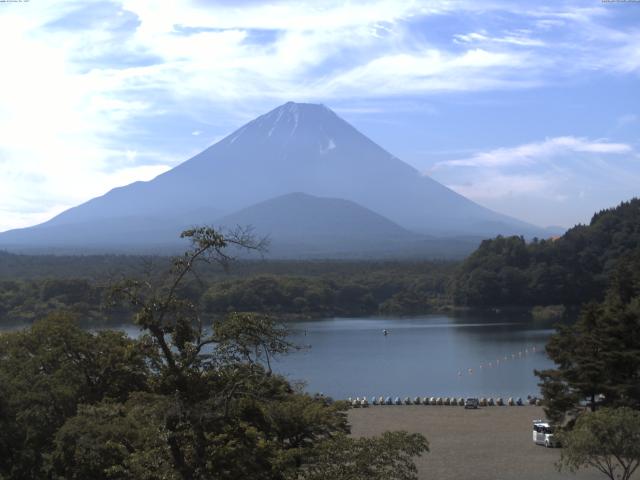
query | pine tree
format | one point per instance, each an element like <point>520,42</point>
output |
<point>598,358</point>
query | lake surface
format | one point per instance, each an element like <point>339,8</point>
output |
<point>435,355</point>
<point>483,355</point>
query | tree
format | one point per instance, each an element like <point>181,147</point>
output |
<point>212,398</point>
<point>582,370</point>
<point>220,409</point>
<point>608,440</point>
<point>114,440</point>
<point>46,372</point>
<point>598,358</point>
<point>189,399</point>
<point>569,270</point>
<point>388,457</point>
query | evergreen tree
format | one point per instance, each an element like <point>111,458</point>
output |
<point>598,358</point>
<point>570,270</point>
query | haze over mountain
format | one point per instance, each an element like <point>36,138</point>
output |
<point>301,225</point>
<point>296,147</point>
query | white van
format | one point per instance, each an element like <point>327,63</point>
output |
<point>543,434</point>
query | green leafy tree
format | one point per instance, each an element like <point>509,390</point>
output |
<point>189,399</point>
<point>598,358</point>
<point>114,440</point>
<point>46,372</point>
<point>607,440</point>
<point>388,457</point>
<point>570,270</point>
<point>225,414</point>
<point>231,417</point>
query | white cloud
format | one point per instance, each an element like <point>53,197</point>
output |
<point>520,38</point>
<point>290,16</point>
<point>428,70</point>
<point>530,153</point>
<point>54,124</point>
<point>62,105</point>
<point>498,186</point>
<point>589,41</point>
<point>554,181</point>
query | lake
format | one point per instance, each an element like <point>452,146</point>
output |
<point>434,355</point>
<point>478,355</point>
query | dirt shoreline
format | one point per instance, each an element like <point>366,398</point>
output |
<point>491,443</point>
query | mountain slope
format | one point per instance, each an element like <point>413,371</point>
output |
<point>294,148</point>
<point>570,269</point>
<point>303,226</point>
<point>298,224</point>
<point>298,215</point>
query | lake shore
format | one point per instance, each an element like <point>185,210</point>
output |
<point>491,443</point>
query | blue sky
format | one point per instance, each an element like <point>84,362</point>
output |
<point>529,108</point>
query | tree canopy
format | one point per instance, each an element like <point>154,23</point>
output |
<point>598,357</point>
<point>188,399</point>
<point>607,440</point>
<point>282,289</point>
<point>570,270</point>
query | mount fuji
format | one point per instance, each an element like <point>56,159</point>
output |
<point>335,171</point>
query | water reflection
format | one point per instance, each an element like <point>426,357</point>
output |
<point>434,355</point>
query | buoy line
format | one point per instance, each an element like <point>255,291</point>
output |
<point>501,360</point>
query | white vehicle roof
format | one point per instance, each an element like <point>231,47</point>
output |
<point>541,423</point>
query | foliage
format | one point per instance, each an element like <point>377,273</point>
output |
<point>569,270</point>
<point>547,313</point>
<point>608,440</point>
<point>45,373</point>
<point>188,399</point>
<point>388,457</point>
<point>598,358</point>
<point>391,293</point>
<point>278,288</point>
<point>114,440</point>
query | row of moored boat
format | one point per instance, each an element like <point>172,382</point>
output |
<point>451,401</point>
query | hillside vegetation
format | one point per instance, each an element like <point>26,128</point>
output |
<point>568,270</point>
<point>33,286</point>
<point>504,271</point>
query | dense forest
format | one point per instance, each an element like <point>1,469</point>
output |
<point>598,356</point>
<point>33,286</point>
<point>569,270</point>
<point>505,271</point>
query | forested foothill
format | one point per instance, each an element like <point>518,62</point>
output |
<point>568,270</point>
<point>593,393</point>
<point>503,272</point>
<point>32,286</point>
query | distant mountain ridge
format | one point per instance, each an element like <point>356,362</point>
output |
<point>301,225</point>
<point>300,216</point>
<point>296,147</point>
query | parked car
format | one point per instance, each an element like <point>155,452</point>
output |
<point>543,434</point>
<point>471,403</point>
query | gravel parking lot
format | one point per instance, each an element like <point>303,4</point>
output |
<point>491,443</point>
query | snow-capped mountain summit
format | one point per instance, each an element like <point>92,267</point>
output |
<point>297,147</point>
<point>291,123</point>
